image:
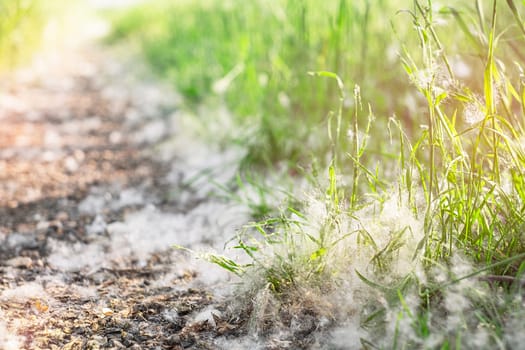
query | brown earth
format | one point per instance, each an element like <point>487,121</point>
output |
<point>62,133</point>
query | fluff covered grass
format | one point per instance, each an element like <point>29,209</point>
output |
<point>415,229</point>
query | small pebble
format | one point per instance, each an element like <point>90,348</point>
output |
<point>62,216</point>
<point>20,262</point>
<point>117,344</point>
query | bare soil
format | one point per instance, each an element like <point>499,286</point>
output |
<point>64,133</point>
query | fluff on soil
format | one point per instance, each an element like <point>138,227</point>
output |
<point>325,306</point>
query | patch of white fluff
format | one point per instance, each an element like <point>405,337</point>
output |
<point>100,198</point>
<point>461,68</point>
<point>204,168</point>
<point>56,286</point>
<point>84,291</point>
<point>457,305</point>
<point>8,340</point>
<point>514,336</point>
<point>241,343</point>
<point>97,226</point>
<point>480,338</point>
<point>460,298</point>
<point>346,336</point>
<point>148,230</point>
<point>383,223</point>
<point>208,314</point>
<point>457,299</point>
<point>401,320</point>
<point>473,113</point>
<point>128,197</point>
<point>209,275</point>
<point>77,256</point>
<point>456,316</point>
<point>152,132</point>
<point>144,232</point>
<point>92,204</point>
<point>24,292</point>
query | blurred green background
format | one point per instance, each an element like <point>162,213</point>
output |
<point>254,57</point>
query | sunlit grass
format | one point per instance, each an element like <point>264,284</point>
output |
<point>24,25</point>
<point>21,25</point>
<point>254,56</point>
<point>415,159</point>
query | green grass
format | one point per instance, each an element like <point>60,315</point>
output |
<point>413,204</point>
<point>22,28</point>
<point>255,55</point>
<point>20,21</point>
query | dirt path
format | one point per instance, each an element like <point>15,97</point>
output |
<point>93,193</point>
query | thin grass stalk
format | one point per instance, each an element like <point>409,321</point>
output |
<point>356,147</point>
<point>490,69</point>
<point>517,16</point>
<point>364,41</point>
<point>481,16</point>
<point>428,24</point>
<point>464,27</point>
<point>426,90</point>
